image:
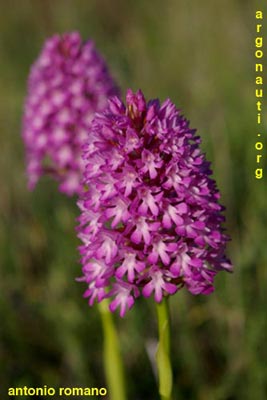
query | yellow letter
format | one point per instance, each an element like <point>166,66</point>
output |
<point>259,158</point>
<point>259,92</point>
<point>259,41</point>
<point>258,105</point>
<point>259,15</point>
<point>259,80</point>
<point>259,67</point>
<point>259,146</point>
<point>259,53</point>
<point>76,391</point>
<point>258,27</point>
<point>258,173</point>
<point>11,392</point>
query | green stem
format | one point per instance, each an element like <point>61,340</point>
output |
<point>163,351</point>
<point>112,357</point>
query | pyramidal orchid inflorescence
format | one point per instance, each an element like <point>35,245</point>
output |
<point>150,218</point>
<point>68,83</point>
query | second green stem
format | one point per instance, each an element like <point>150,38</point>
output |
<point>112,357</point>
<point>163,351</point>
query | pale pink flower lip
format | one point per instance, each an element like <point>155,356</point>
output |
<point>158,223</point>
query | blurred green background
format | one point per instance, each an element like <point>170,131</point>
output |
<point>201,55</point>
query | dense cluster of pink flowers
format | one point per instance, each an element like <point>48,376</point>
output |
<point>150,218</point>
<point>67,84</point>
<point>151,221</point>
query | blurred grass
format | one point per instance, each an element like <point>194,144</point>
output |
<point>200,54</point>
